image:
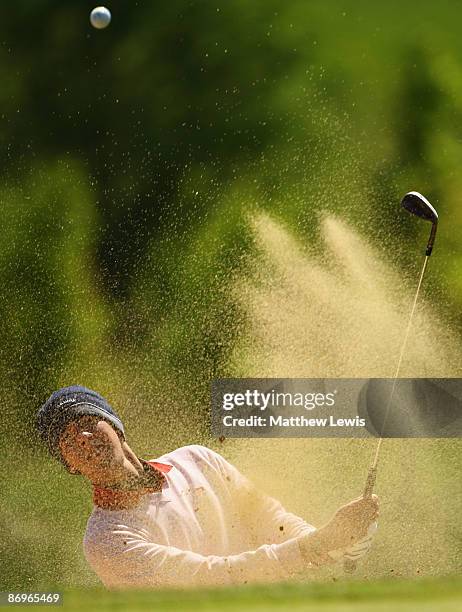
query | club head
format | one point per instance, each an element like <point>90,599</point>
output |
<point>415,203</point>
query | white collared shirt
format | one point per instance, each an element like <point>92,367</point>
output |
<point>211,526</point>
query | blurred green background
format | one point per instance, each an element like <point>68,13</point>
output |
<point>130,159</point>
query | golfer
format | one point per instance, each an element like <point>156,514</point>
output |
<point>188,518</point>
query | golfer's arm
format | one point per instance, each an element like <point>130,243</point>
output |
<point>134,562</point>
<point>270,520</point>
<point>277,524</point>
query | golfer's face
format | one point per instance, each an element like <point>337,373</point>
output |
<point>91,446</point>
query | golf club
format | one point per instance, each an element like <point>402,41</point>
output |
<point>418,205</point>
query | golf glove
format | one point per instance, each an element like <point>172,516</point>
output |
<point>358,550</point>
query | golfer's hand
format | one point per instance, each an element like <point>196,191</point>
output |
<point>358,550</point>
<point>348,526</point>
<point>351,523</point>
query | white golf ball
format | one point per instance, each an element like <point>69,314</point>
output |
<point>100,17</point>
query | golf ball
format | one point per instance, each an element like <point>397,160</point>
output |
<point>100,17</point>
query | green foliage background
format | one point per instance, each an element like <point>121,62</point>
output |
<point>129,160</point>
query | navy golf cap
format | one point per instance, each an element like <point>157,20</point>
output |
<point>69,404</point>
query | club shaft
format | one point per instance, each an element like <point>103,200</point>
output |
<point>350,565</point>
<point>398,366</point>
